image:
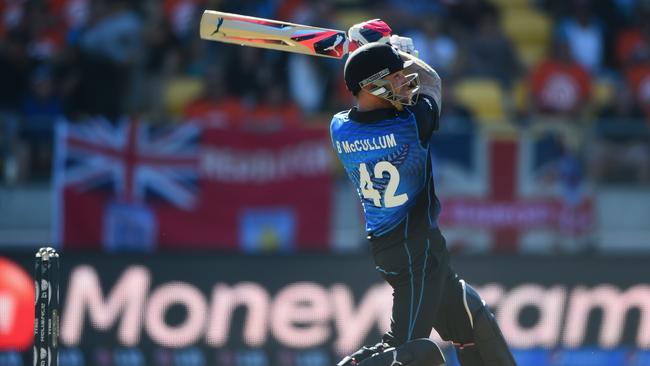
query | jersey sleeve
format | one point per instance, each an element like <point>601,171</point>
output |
<point>426,116</point>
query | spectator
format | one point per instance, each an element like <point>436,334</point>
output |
<point>307,82</point>
<point>287,9</point>
<point>631,42</point>
<point>468,14</point>
<point>111,48</point>
<point>15,66</point>
<point>637,75</point>
<point>161,61</point>
<point>311,79</point>
<point>612,15</point>
<point>276,111</point>
<point>40,109</point>
<point>454,116</point>
<point>435,47</point>
<point>636,36</point>
<point>75,13</point>
<point>116,35</point>
<point>565,173</point>
<point>256,8</point>
<point>244,68</point>
<point>182,15</point>
<point>162,46</point>
<point>559,85</point>
<point>490,53</point>
<point>585,36</point>
<point>626,8</point>
<point>12,13</point>
<point>197,62</point>
<point>215,107</point>
<point>561,165</point>
<point>402,15</point>
<point>42,105</point>
<point>622,140</point>
<point>47,31</point>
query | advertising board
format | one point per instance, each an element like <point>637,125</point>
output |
<point>209,309</point>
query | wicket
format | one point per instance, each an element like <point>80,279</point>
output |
<point>46,321</point>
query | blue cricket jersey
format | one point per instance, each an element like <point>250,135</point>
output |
<point>389,165</point>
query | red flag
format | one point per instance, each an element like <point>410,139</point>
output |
<point>134,186</point>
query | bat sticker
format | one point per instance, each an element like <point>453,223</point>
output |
<point>332,48</point>
<point>219,24</point>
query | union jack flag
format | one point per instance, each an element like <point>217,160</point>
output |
<point>495,194</point>
<point>133,186</point>
<point>131,160</point>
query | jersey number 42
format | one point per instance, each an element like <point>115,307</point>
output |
<point>367,190</point>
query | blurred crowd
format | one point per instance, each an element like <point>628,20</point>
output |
<point>576,66</point>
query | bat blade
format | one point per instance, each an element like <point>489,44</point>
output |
<point>272,34</point>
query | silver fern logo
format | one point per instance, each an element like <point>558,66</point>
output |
<point>37,291</point>
<point>47,290</point>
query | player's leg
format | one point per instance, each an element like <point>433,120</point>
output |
<point>416,270</point>
<point>465,320</point>
<point>488,340</point>
<point>418,352</point>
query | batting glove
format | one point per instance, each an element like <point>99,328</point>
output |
<point>376,30</point>
<point>362,354</point>
<point>404,44</point>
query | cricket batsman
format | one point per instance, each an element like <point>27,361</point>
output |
<point>383,143</point>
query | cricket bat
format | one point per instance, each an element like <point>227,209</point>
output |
<point>277,35</point>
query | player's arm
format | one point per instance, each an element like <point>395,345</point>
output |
<point>427,117</point>
<point>427,108</point>
<point>430,83</point>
